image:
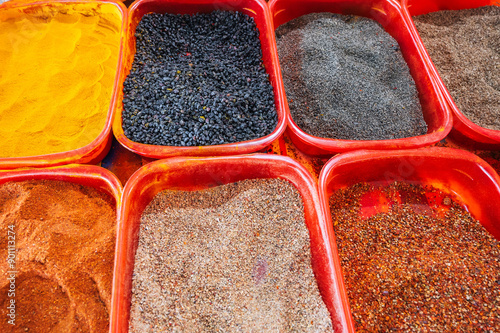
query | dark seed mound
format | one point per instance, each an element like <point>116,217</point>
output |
<point>345,78</point>
<point>197,80</point>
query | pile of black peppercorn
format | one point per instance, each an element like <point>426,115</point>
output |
<point>197,80</point>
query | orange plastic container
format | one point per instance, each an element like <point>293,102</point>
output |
<point>470,180</point>
<point>464,130</point>
<point>86,175</point>
<point>389,14</point>
<point>94,152</point>
<point>187,173</point>
<point>254,8</point>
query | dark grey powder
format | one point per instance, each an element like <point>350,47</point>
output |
<point>345,78</point>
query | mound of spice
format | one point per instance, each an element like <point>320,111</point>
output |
<point>58,64</point>
<point>422,264</point>
<point>64,235</point>
<point>230,258</point>
<point>197,80</point>
<point>345,78</point>
<point>464,45</point>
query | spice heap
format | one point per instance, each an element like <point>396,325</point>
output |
<point>65,242</point>
<point>345,78</point>
<point>57,69</point>
<point>197,80</point>
<point>464,45</point>
<point>422,265</point>
<point>230,258</point>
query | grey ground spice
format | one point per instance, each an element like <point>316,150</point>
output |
<point>416,272</point>
<point>464,45</point>
<point>345,78</point>
<point>230,258</point>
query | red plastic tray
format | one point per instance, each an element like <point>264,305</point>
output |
<point>464,130</point>
<point>471,180</point>
<point>185,173</point>
<point>97,149</point>
<point>87,175</point>
<point>255,8</point>
<point>389,14</point>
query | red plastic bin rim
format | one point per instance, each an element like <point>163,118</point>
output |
<point>434,152</point>
<point>255,7</point>
<point>87,175</point>
<point>337,145</point>
<point>94,151</point>
<point>462,124</point>
<point>254,164</point>
<point>473,182</point>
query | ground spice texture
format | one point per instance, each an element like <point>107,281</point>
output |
<point>424,265</point>
<point>345,78</point>
<point>464,45</point>
<point>58,64</point>
<point>230,258</point>
<point>65,240</point>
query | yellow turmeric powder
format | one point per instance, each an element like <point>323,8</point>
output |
<point>58,64</point>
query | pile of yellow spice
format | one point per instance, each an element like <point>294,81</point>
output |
<point>58,65</point>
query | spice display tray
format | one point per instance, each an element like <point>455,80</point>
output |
<point>187,173</point>
<point>464,130</point>
<point>86,175</point>
<point>467,178</point>
<point>389,14</point>
<point>94,152</point>
<point>257,9</point>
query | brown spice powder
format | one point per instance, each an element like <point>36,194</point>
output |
<point>231,258</point>
<point>65,241</point>
<point>414,271</point>
<point>464,45</point>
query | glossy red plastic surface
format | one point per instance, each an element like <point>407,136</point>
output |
<point>389,14</point>
<point>255,8</point>
<point>464,130</point>
<point>97,149</point>
<point>471,181</point>
<point>87,175</point>
<point>185,173</point>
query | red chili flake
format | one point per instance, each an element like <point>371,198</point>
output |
<point>412,269</point>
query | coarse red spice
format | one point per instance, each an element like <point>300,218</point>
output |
<point>65,241</point>
<point>233,258</point>
<point>422,265</point>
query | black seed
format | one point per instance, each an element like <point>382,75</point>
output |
<point>183,66</point>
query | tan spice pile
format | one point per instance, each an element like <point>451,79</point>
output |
<point>231,258</point>
<point>464,45</point>
<point>65,241</point>
<point>410,269</point>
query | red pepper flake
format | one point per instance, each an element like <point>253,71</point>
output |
<point>415,268</point>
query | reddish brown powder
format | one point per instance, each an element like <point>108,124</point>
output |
<point>65,240</point>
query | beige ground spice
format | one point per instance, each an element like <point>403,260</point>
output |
<point>228,259</point>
